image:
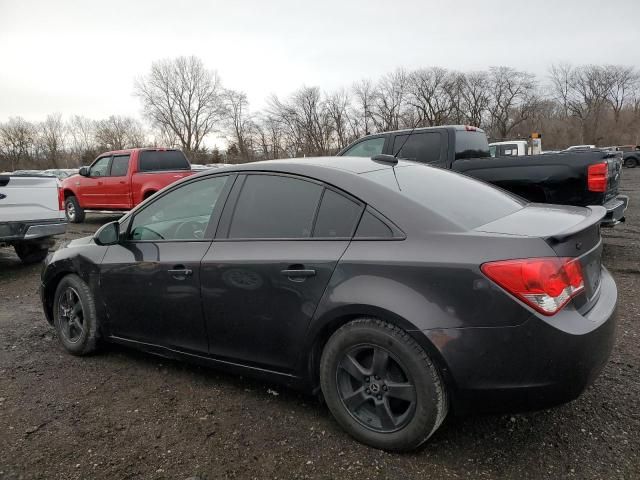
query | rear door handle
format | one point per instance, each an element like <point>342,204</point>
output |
<point>298,273</point>
<point>179,272</point>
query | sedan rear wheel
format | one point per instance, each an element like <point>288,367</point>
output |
<point>74,316</point>
<point>631,163</point>
<point>381,386</point>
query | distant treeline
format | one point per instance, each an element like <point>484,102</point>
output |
<point>184,103</point>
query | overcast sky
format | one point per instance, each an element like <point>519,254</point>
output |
<point>81,57</point>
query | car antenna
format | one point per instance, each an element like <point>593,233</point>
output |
<point>393,159</point>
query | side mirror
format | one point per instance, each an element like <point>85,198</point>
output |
<point>108,234</point>
<point>84,171</point>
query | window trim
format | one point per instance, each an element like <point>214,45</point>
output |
<point>442,159</point>
<point>361,205</point>
<point>111,165</point>
<point>396,233</point>
<point>224,226</point>
<point>108,170</point>
<point>214,219</point>
<point>141,152</point>
<point>386,136</point>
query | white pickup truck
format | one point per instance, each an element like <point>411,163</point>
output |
<point>31,213</point>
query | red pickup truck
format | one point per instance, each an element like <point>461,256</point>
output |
<point>122,179</point>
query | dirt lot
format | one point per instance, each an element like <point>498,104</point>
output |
<point>123,414</point>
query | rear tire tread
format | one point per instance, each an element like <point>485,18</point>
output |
<point>441,394</point>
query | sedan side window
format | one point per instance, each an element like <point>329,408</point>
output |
<point>273,206</point>
<point>100,168</point>
<point>366,148</point>
<point>182,214</point>
<point>337,216</point>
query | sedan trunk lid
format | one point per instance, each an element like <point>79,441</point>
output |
<point>570,231</point>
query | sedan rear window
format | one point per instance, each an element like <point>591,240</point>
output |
<point>158,160</point>
<point>463,201</point>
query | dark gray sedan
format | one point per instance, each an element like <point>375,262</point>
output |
<point>396,290</point>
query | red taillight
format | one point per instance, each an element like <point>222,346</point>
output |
<point>597,177</point>
<point>545,284</point>
<point>60,198</point>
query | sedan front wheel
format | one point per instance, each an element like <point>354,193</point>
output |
<point>74,315</point>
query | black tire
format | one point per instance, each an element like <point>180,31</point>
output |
<point>382,419</point>
<point>31,253</point>
<point>74,212</point>
<point>74,316</point>
<point>631,162</point>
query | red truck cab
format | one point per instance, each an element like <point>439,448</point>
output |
<point>121,179</point>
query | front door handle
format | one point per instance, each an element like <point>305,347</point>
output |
<point>179,272</point>
<point>298,274</point>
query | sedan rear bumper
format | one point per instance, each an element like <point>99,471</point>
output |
<point>543,362</point>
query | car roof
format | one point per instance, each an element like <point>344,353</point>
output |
<point>423,129</point>
<point>131,150</point>
<point>348,174</point>
<point>322,168</point>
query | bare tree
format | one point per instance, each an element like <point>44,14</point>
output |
<point>513,99</point>
<point>337,105</point>
<point>389,101</point>
<point>431,94</point>
<point>583,92</point>
<point>117,133</point>
<point>474,95</point>
<point>305,120</point>
<point>622,83</point>
<point>17,141</point>
<point>82,139</point>
<point>183,97</point>
<point>238,122</point>
<point>51,139</point>
<point>365,93</point>
<point>270,134</point>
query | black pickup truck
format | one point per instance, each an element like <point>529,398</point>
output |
<point>567,178</point>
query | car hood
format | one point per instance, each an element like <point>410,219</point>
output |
<point>80,242</point>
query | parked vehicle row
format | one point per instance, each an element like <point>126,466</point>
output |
<point>630,154</point>
<point>579,178</point>
<point>31,213</point>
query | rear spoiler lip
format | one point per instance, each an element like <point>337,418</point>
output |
<point>597,214</point>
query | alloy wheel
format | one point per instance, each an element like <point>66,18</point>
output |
<point>71,315</point>
<point>375,388</point>
<point>71,211</point>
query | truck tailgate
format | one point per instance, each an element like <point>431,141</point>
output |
<point>29,198</point>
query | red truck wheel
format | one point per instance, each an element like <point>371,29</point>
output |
<point>73,210</point>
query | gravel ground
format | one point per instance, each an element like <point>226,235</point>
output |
<point>123,414</point>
